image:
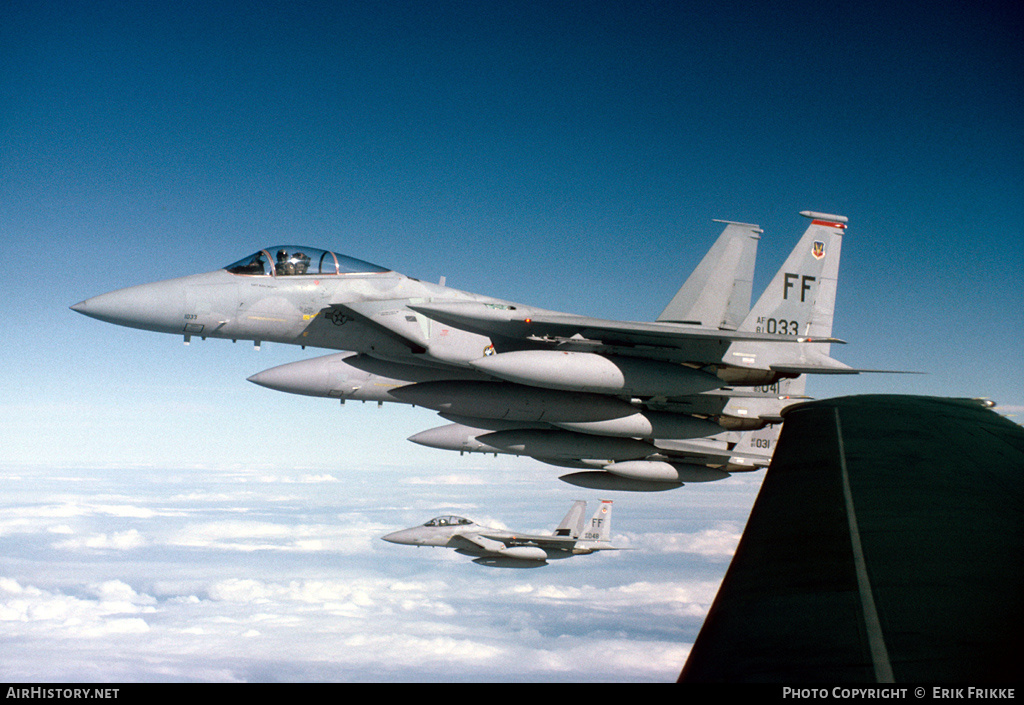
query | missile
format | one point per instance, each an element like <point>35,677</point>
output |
<point>513,402</point>
<point>606,481</point>
<point>566,444</point>
<point>492,561</point>
<point>600,374</point>
<point>485,425</point>
<point>352,376</point>
<point>455,437</point>
<point>554,446</point>
<point>575,464</point>
<point>643,476</point>
<point>647,424</point>
<point>662,471</point>
<point>525,553</point>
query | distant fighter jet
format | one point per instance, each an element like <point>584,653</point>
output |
<point>634,405</point>
<point>498,548</point>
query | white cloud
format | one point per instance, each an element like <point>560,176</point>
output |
<point>133,625</point>
<point>40,517</point>
<point>119,541</point>
<point>607,659</point>
<point>458,626</point>
<point>203,581</point>
<point>677,597</point>
<point>42,612</point>
<point>316,479</point>
<point>241,535</point>
<point>717,542</point>
<point>116,591</point>
<point>446,480</point>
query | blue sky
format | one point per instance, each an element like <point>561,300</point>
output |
<point>566,155</point>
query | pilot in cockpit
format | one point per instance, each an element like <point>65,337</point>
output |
<point>301,262</point>
<point>284,266</point>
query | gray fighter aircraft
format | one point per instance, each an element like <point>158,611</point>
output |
<point>571,390</point>
<point>512,418</point>
<point>505,549</point>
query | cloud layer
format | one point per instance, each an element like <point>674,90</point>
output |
<point>220,583</point>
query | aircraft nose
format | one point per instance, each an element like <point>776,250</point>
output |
<point>158,306</point>
<point>91,308</point>
<point>403,537</point>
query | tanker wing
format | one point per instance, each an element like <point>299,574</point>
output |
<point>884,546</point>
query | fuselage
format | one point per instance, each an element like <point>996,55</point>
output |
<point>294,309</point>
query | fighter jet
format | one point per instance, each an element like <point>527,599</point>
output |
<point>498,548</point>
<point>589,431</point>
<point>562,388</point>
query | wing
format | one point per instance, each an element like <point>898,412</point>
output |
<point>787,332</point>
<point>885,545</point>
<point>476,542</point>
<point>380,317</point>
<point>659,340</point>
<point>531,539</point>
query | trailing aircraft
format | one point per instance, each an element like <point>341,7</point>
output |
<point>635,405</point>
<point>498,548</point>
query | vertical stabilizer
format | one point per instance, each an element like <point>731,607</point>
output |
<point>801,297</point>
<point>799,301</point>
<point>755,449</point>
<point>717,293</point>
<point>572,524</point>
<point>600,527</point>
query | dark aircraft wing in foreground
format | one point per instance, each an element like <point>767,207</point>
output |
<point>885,546</point>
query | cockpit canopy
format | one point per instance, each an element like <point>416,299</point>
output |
<point>448,521</point>
<point>296,260</point>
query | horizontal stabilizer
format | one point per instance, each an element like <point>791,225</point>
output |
<point>828,370</point>
<point>509,321</point>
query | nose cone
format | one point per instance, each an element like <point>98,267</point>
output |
<point>159,306</point>
<point>450,437</point>
<point>405,536</point>
<point>309,377</point>
<point>436,438</point>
